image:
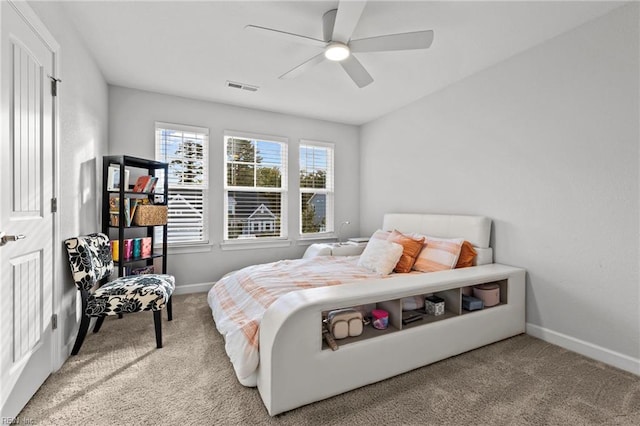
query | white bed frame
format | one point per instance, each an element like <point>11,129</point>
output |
<point>296,370</point>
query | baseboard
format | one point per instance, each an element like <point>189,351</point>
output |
<point>607,356</point>
<point>193,288</point>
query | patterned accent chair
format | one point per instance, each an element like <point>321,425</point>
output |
<point>91,263</point>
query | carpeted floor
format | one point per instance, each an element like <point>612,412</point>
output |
<point>120,378</point>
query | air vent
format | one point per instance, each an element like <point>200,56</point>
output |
<point>248,87</point>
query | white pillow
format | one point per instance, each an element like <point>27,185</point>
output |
<point>317,250</point>
<point>380,256</point>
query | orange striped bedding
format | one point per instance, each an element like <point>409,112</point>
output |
<point>238,301</point>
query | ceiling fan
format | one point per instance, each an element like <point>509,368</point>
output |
<point>337,27</point>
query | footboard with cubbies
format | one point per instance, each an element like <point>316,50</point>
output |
<point>297,368</point>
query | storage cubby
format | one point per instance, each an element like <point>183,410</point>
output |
<point>504,296</point>
<point>453,308</point>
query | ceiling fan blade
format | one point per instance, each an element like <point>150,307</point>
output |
<point>349,13</point>
<point>308,64</point>
<point>285,35</point>
<point>328,22</point>
<point>403,41</point>
<point>356,71</point>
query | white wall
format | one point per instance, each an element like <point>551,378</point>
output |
<point>83,98</point>
<point>545,143</point>
<point>132,117</point>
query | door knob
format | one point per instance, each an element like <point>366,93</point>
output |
<point>4,239</point>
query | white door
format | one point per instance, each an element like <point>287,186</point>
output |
<point>26,174</point>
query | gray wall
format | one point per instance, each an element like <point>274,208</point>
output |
<point>132,115</point>
<point>83,98</point>
<point>546,144</point>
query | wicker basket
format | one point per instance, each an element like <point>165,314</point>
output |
<point>148,215</point>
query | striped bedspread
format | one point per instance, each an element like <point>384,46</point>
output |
<point>238,301</point>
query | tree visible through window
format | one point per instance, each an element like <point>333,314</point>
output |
<point>316,188</point>
<point>255,187</point>
<point>185,149</point>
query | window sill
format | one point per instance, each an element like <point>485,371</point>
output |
<point>252,244</point>
<point>189,248</point>
<point>307,241</point>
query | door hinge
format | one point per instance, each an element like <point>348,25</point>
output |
<point>54,205</point>
<point>54,85</point>
<point>54,321</point>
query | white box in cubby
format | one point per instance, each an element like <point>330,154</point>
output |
<point>434,305</point>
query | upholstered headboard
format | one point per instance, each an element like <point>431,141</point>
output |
<point>475,229</point>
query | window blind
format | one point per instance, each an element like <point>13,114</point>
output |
<point>316,188</point>
<point>255,187</point>
<point>185,148</point>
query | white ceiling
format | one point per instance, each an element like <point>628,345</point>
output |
<point>191,49</point>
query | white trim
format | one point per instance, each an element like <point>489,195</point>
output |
<point>318,143</point>
<point>193,288</point>
<point>189,248</point>
<point>61,350</point>
<point>304,239</point>
<point>254,243</point>
<point>38,27</point>
<point>182,127</point>
<point>607,356</point>
<point>254,136</point>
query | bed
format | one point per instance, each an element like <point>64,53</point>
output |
<point>273,333</point>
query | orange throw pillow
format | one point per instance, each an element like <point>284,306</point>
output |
<point>467,255</point>
<point>410,250</point>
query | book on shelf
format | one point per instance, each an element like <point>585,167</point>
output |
<point>142,271</point>
<point>113,179</point>
<point>127,218</point>
<point>114,250</point>
<point>141,183</point>
<point>151,186</point>
<point>114,211</point>
<point>130,205</point>
<point>114,219</point>
<point>145,249</point>
<point>114,204</point>
<point>128,248</point>
<point>132,210</point>
<point>145,184</point>
<point>137,247</point>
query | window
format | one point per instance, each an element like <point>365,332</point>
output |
<point>316,188</point>
<point>185,149</point>
<point>255,189</point>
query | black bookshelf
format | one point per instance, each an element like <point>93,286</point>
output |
<point>136,166</point>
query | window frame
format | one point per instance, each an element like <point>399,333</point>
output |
<point>204,187</point>
<point>283,190</point>
<point>329,191</point>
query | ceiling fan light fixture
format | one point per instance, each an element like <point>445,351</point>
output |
<point>337,51</point>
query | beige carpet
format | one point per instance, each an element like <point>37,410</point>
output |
<point>120,378</point>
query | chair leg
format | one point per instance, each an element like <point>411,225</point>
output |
<point>99,322</point>
<point>157,320</point>
<point>169,309</point>
<point>82,332</point>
